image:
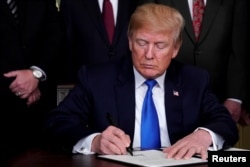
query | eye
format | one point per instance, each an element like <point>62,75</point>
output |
<point>161,45</point>
<point>141,42</point>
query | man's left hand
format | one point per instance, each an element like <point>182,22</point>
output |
<point>195,143</point>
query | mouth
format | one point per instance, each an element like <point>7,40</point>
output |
<point>149,66</point>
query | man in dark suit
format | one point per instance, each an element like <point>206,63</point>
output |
<point>220,49</point>
<point>29,44</point>
<point>187,110</point>
<point>87,41</point>
<point>245,113</point>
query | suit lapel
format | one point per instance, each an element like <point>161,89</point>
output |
<point>125,8</point>
<point>211,10</point>
<point>95,13</point>
<point>182,6</point>
<point>173,103</point>
<point>125,94</point>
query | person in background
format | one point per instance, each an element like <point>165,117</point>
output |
<point>245,113</point>
<point>87,39</point>
<point>106,111</point>
<point>30,40</point>
<point>219,45</point>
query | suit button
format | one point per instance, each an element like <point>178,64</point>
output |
<point>111,53</point>
<point>197,52</point>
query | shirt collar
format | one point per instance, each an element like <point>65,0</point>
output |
<point>139,79</point>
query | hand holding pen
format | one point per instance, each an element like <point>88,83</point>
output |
<point>113,123</point>
<point>111,141</point>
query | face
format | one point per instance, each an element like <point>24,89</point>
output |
<point>152,51</point>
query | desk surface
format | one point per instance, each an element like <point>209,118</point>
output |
<point>44,158</point>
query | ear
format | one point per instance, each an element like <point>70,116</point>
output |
<point>175,51</point>
<point>130,42</point>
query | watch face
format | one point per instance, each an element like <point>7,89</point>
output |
<point>37,74</point>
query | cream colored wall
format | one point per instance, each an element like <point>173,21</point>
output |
<point>244,140</point>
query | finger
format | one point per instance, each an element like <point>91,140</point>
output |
<point>114,149</point>
<point>107,146</point>
<point>120,135</point>
<point>14,86</point>
<point>204,154</point>
<point>119,139</point>
<point>190,152</point>
<point>179,154</point>
<point>10,74</point>
<point>29,102</point>
<point>116,141</point>
<point>23,95</point>
<point>174,149</point>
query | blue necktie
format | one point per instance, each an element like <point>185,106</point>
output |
<point>150,131</point>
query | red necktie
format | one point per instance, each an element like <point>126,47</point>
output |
<point>108,18</point>
<point>198,10</point>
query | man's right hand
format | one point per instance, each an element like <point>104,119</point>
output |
<point>111,141</point>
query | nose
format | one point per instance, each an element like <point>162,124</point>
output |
<point>149,52</point>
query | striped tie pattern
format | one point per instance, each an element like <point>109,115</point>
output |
<point>13,8</point>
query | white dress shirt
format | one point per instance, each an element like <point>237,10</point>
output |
<point>84,145</point>
<point>158,98</point>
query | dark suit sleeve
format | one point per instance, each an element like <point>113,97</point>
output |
<point>217,118</point>
<point>52,39</point>
<point>68,123</point>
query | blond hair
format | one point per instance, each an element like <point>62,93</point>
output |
<point>157,17</point>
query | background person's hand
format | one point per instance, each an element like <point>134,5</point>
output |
<point>23,84</point>
<point>234,108</point>
<point>34,97</point>
<point>195,143</point>
<point>244,118</point>
<point>111,141</point>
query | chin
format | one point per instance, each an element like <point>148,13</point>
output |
<point>149,74</point>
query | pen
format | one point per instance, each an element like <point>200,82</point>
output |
<point>113,123</point>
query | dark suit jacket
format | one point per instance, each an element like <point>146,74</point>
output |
<point>247,102</point>
<point>110,88</point>
<point>34,41</point>
<point>87,40</point>
<point>221,48</point>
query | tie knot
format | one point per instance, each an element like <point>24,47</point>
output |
<point>150,83</point>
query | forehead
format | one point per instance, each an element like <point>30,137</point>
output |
<point>154,35</point>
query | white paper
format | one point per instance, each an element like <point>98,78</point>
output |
<point>151,158</point>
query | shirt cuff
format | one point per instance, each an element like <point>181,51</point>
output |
<point>217,140</point>
<point>236,100</point>
<point>83,146</point>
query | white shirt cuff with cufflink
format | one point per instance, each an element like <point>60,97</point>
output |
<point>83,146</point>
